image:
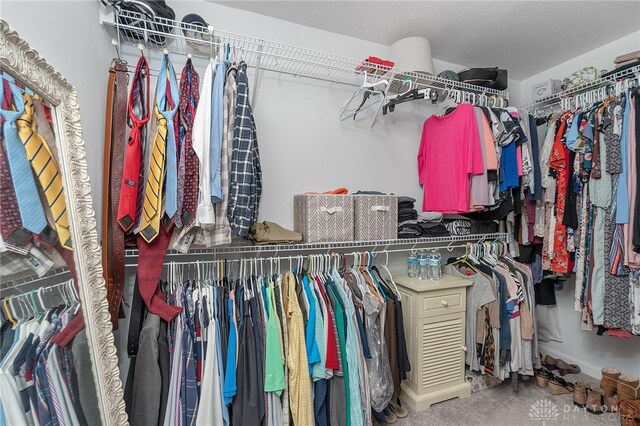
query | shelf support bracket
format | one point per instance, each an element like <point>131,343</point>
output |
<point>256,78</point>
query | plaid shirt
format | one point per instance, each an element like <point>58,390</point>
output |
<point>222,230</point>
<point>246,174</point>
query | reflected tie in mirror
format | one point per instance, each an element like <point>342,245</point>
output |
<point>45,168</point>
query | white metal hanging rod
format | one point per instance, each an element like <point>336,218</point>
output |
<point>340,245</point>
<point>374,253</point>
<point>629,73</point>
<point>18,284</point>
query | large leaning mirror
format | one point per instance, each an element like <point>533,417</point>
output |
<point>58,363</point>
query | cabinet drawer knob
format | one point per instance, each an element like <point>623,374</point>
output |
<point>464,348</point>
<point>445,303</point>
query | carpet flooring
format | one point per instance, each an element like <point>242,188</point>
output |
<point>498,406</point>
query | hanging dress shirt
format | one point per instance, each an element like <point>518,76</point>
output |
<point>222,231</point>
<point>246,173</point>
<point>210,413</point>
<point>217,128</point>
<point>205,216</point>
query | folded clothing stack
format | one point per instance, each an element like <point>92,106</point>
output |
<point>272,233</point>
<point>407,218</point>
<point>410,225</point>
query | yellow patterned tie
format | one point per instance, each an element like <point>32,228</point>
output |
<point>45,168</point>
<point>152,206</point>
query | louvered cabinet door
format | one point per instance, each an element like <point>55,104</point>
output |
<point>434,313</point>
<point>441,352</point>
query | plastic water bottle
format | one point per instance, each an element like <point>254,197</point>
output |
<point>435,265</point>
<point>423,271</point>
<point>412,261</point>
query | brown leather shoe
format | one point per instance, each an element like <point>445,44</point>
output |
<point>559,386</point>
<point>549,362</point>
<point>609,381</point>
<point>595,401</point>
<point>566,368</point>
<point>628,387</point>
<point>542,378</point>
<point>580,394</point>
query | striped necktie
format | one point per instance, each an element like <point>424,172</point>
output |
<point>45,168</point>
<point>151,208</point>
<point>15,237</point>
<point>131,192</point>
<point>31,211</point>
<point>168,108</point>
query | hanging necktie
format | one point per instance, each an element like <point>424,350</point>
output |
<point>45,168</point>
<point>15,237</point>
<point>151,208</point>
<point>168,107</point>
<point>31,211</point>
<point>132,189</point>
<point>189,166</point>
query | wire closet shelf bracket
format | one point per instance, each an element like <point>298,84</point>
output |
<point>130,29</point>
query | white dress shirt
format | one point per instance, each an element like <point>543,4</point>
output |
<point>205,214</point>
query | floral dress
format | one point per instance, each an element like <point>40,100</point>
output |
<point>559,162</point>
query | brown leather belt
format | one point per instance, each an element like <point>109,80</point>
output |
<point>114,147</point>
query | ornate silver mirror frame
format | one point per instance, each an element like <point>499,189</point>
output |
<point>26,65</point>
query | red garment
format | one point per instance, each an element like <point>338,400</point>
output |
<point>337,191</point>
<point>67,334</point>
<point>130,203</point>
<point>331,360</point>
<point>559,161</point>
<point>150,262</point>
<point>619,333</point>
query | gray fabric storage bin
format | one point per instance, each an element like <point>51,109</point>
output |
<point>376,217</point>
<point>323,218</point>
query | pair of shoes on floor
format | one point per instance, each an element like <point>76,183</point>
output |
<point>398,409</point>
<point>618,387</point>
<point>557,385</point>
<point>594,400</point>
<point>597,402</point>
<point>390,414</point>
<point>563,367</point>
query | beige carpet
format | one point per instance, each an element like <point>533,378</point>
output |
<point>531,405</point>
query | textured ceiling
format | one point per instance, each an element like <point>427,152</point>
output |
<point>525,37</point>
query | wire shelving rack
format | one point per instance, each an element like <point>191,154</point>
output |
<point>130,29</point>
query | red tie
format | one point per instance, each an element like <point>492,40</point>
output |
<point>188,171</point>
<point>150,263</point>
<point>133,173</point>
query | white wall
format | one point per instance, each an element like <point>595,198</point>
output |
<point>601,58</point>
<point>68,37</point>
<point>590,351</point>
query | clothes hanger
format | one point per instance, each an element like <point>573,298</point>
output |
<point>367,90</point>
<point>465,259</point>
<point>386,269</point>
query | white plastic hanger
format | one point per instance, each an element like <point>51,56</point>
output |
<point>348,110</point>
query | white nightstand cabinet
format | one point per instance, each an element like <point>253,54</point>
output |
<point>434,321</point>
